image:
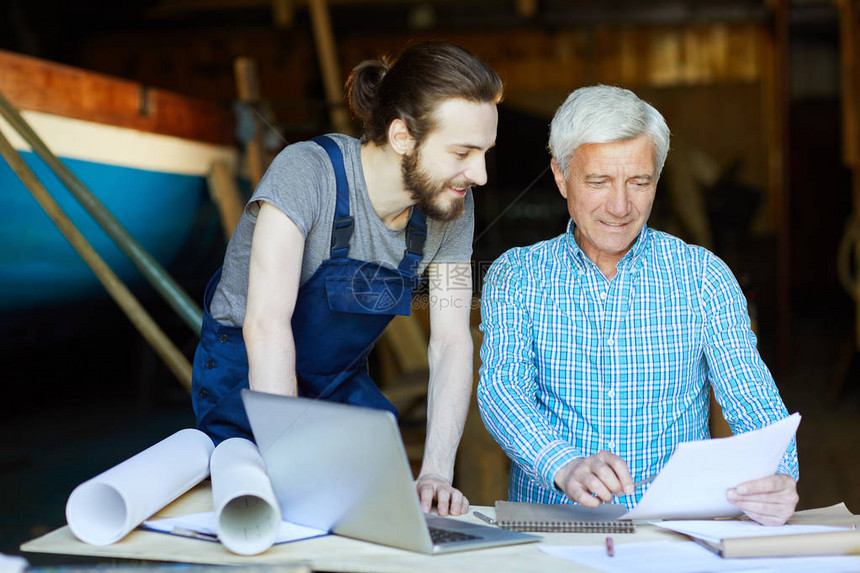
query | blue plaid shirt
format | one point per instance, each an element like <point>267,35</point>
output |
<point>574,363</point>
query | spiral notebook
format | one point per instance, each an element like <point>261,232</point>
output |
<point>563,517</point>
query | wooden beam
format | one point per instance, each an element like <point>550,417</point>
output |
<point>248,92</point>
<point>327,55</point>
<point>225,194</point>
<point>848,43</point>
<point>527,8</point>
<point>284,13</point>
<point>247,80</point>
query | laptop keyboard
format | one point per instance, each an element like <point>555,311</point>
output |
<point>439,536</point>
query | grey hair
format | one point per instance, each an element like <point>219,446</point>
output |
<point>603,114</point>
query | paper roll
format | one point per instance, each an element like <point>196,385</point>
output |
<point>247,514</point>
<point>107,507</point>
<point>829,543</point>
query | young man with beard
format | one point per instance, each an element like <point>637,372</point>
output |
<point>332,243</point>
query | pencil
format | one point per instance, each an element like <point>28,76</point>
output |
<point>642,482</point>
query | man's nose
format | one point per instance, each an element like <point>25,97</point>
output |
<point>618,202</point>
<point>476,172</point>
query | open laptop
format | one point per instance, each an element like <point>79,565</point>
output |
<point>343,469</point>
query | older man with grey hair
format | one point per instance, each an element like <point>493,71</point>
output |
<point>600,345</point>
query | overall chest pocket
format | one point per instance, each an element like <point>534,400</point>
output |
<point>378,295</point>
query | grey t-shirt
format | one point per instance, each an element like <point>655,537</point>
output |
<point>301,183</point>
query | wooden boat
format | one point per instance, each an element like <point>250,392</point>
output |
<point>144,153</point>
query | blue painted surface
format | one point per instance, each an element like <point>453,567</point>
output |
<point>39,267</point>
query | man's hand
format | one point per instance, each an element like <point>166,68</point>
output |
<point>770,500</point>
<point>595,478</point>
<point>449,500</point>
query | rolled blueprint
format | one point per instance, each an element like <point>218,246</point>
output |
<point>247,514</point>
<point>107,507</point>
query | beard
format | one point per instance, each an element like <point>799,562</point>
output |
<point>429,194</point>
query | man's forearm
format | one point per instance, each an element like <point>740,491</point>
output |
<point>271,359</point>
<point>448,395</point>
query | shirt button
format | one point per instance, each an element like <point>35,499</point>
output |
<point>611,393</point>
<point>222,338</point>
<point>610,446</point>
<point>609,342</point>
<point>603,295</point>
<point>210,364</point>
<point>202,393</point>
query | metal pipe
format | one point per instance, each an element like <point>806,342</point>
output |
<point>177,298</point>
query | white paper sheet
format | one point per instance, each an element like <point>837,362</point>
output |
<point>694,481</point>
<point>205,523</point>
<point>247,514</point>
<point>12,564</point>
<point>107,507</point>
<point>689,557</point>
<point>717,530</point>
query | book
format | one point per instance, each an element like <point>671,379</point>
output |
<point>833,534</point>
<point>825,543</point>
<point>563,517</point>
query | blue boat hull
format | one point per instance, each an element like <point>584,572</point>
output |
<point>38,266</point>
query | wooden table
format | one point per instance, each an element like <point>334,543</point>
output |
<point>334,553</point>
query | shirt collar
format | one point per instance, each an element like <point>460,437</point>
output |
<point>630,258</point>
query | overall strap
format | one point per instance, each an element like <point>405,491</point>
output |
<point>341,230</point>
<point>416,234</point>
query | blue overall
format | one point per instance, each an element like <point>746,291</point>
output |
<point>339,314</point>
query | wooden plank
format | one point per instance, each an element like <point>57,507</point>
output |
<point>225,194</point>
<point>36,85</point>
<point>745,53</point>
<point>284,13</point>
<point>247,80</point>
<point>848,44</point>
<point>248,90</point>
<point>665,53</point>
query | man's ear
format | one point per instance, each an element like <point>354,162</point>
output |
<point>560,181</point>
<point>399,138</point>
